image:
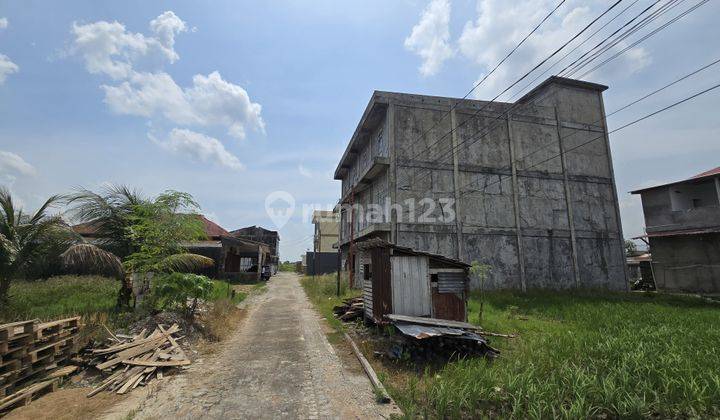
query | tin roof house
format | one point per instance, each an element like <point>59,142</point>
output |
<point>400,281</point>
<point>682,225</point>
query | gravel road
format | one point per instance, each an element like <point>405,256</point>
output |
<point>278,364</point>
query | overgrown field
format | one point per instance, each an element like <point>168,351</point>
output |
<point>59,296</point>
<point>76,295</point>
<point>582,356</point>
<point>577,356</point>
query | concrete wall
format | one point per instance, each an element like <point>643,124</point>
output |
<point>661,215</point>
<point>541,221</point>
<point>687,263</point>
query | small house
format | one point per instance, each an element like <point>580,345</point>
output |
<point>402,281</point>
<point>682,226</point>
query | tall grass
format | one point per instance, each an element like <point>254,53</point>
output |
<point>322,292</point>
<point>582,356</point>
<point>59,297</point>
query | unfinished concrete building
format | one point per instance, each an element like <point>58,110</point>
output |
<point>526,187</point>
<point>682,225</point>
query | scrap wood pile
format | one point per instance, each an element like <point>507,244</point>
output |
<point>429,339</point>
<point>351,309</point>
<point>132,361</point>
<point>31,355</point>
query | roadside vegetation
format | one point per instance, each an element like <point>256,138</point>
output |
<point>287,266</point>
<point>600,355</point>
<point>576,356</point>
<point>48,271</point>
<point>322,292</point>
<point>59,297</point>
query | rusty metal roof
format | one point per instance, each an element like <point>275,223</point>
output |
<point>212,229</point>
<point>680,232</point>
<point>700,176</point>
<point>380,243</point>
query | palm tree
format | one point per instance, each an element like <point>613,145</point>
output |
<point>145,233</point>
<point>22,237</point>
<point>109,212</point>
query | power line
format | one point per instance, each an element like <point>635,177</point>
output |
<point>528,73</point>
<point>522,89</point>
<point>645,37</point>
<point>494,69</point>
<point>652,114</point>
<point>474,137</point>
<point>602,48</point>
<point>642,98</point>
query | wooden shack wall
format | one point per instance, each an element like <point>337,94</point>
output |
<point>377,292</point>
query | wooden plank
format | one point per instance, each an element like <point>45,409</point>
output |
<point>131,362</point>
<point>172,340</point>
<point>150,339</point>
<point>132,352</point>
<point>25,395</point>
<point>433,321</point>
<point>384,397</point>
<point>109,381</point>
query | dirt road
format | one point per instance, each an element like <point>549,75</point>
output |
<point>278,364</point>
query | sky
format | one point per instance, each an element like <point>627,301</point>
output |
<point>233,101</point>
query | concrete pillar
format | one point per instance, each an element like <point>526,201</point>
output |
<point>456,182</point>
<point>621,239</point>
<point>516,206</point>
<point>568,202</point>
<point>392,170</point>
<point>717,188</point>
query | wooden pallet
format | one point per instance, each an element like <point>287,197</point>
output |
<point>8,331</point>
<point>30,353</point>
<point>24,396</point>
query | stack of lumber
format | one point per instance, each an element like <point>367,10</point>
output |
<point>133,361</point>
<point>30,353</point>
<point>351,309</point>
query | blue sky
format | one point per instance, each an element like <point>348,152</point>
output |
<point>231,101</point>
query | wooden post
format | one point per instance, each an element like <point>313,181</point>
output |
<point>259,263</point>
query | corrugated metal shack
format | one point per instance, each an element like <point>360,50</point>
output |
<point>402,281</point>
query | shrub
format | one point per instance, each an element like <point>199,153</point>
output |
<point>182,290</point>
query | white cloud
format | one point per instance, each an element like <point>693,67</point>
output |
<point>165,27</point>
<point>12,163</point>
<point>149,95</point>
<point>430,38</point>
<point>199,147</point>
<point>7,67</point>
<point>501,25</point>
<point>210,101</point>
<point>304,171</point>
<point>109,48</point>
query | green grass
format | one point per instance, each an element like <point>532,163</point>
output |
<point>59,297</point>
<point>322,292</point>
<point>223,290</point>
<point>583,356</point>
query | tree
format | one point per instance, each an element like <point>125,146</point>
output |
<point>147,234</point>
<point>158,231</point>
<point>177,289</point>
<point>630,247</point>
<point>22,237</point>
<point>480,272</point>
<point>109,212</point>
